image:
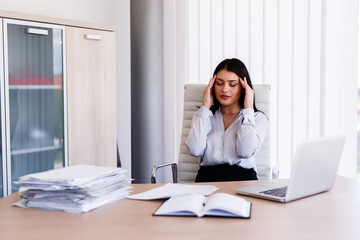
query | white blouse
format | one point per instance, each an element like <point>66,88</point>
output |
<point>236,145</point>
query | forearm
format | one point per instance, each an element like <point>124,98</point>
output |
<point>251,134</point>
<point>200,128</point>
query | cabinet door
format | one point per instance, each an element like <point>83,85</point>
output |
<point>2,120</point>
<point>34,98</point>
<point>91,96</point>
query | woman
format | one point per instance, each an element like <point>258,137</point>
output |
<point>227,130</point>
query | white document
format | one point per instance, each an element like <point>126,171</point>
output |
<point>76,175</point>
<point>170,190</point>
<point>84,205</point>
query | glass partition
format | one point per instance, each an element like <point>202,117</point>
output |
<point>2,156</point>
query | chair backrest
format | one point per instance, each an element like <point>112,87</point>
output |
<point>189,165</point>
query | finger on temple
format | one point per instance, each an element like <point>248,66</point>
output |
<point>242,82</point>
<point>212,81</point>
<point>245,82</point>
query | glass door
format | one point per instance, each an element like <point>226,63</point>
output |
<point>34,98</point>
<point>3,186</point>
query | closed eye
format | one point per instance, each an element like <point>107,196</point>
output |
<point>219,83</point>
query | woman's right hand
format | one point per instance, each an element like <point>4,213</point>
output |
<point>208,98</point>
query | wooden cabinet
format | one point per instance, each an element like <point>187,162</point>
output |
<point>58,95</point>
<point>91,94</point>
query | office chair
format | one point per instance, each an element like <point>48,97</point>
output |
<point>187,167</point>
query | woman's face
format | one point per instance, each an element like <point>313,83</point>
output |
<point>227,88</point>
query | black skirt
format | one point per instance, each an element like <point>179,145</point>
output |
<point>225,172</point>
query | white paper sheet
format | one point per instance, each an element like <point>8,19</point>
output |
<point>170,190</point>
<point>74,175</point>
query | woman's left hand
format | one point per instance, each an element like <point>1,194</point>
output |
<point>249,93</point>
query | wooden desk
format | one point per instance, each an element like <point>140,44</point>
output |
<point>331,215</point>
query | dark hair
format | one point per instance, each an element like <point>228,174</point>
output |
<point>238,67</point>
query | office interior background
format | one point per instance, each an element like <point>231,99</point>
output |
<point>306,50</point>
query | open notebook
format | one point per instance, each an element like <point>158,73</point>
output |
<point>217,205</point>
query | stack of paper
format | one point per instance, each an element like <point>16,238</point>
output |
<point>78,188</point>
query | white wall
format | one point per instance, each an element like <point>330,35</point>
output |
<point>109,12</point>
<point>306,50</point>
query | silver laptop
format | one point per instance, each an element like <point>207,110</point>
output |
<point>313,171</point>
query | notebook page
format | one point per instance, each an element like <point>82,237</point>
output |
<point>220,202</point>
<point>191,204</point>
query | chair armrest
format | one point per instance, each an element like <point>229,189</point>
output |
<point>173,167</point>
<point>275,172</point>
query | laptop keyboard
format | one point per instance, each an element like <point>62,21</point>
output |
<point>279,192</point>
